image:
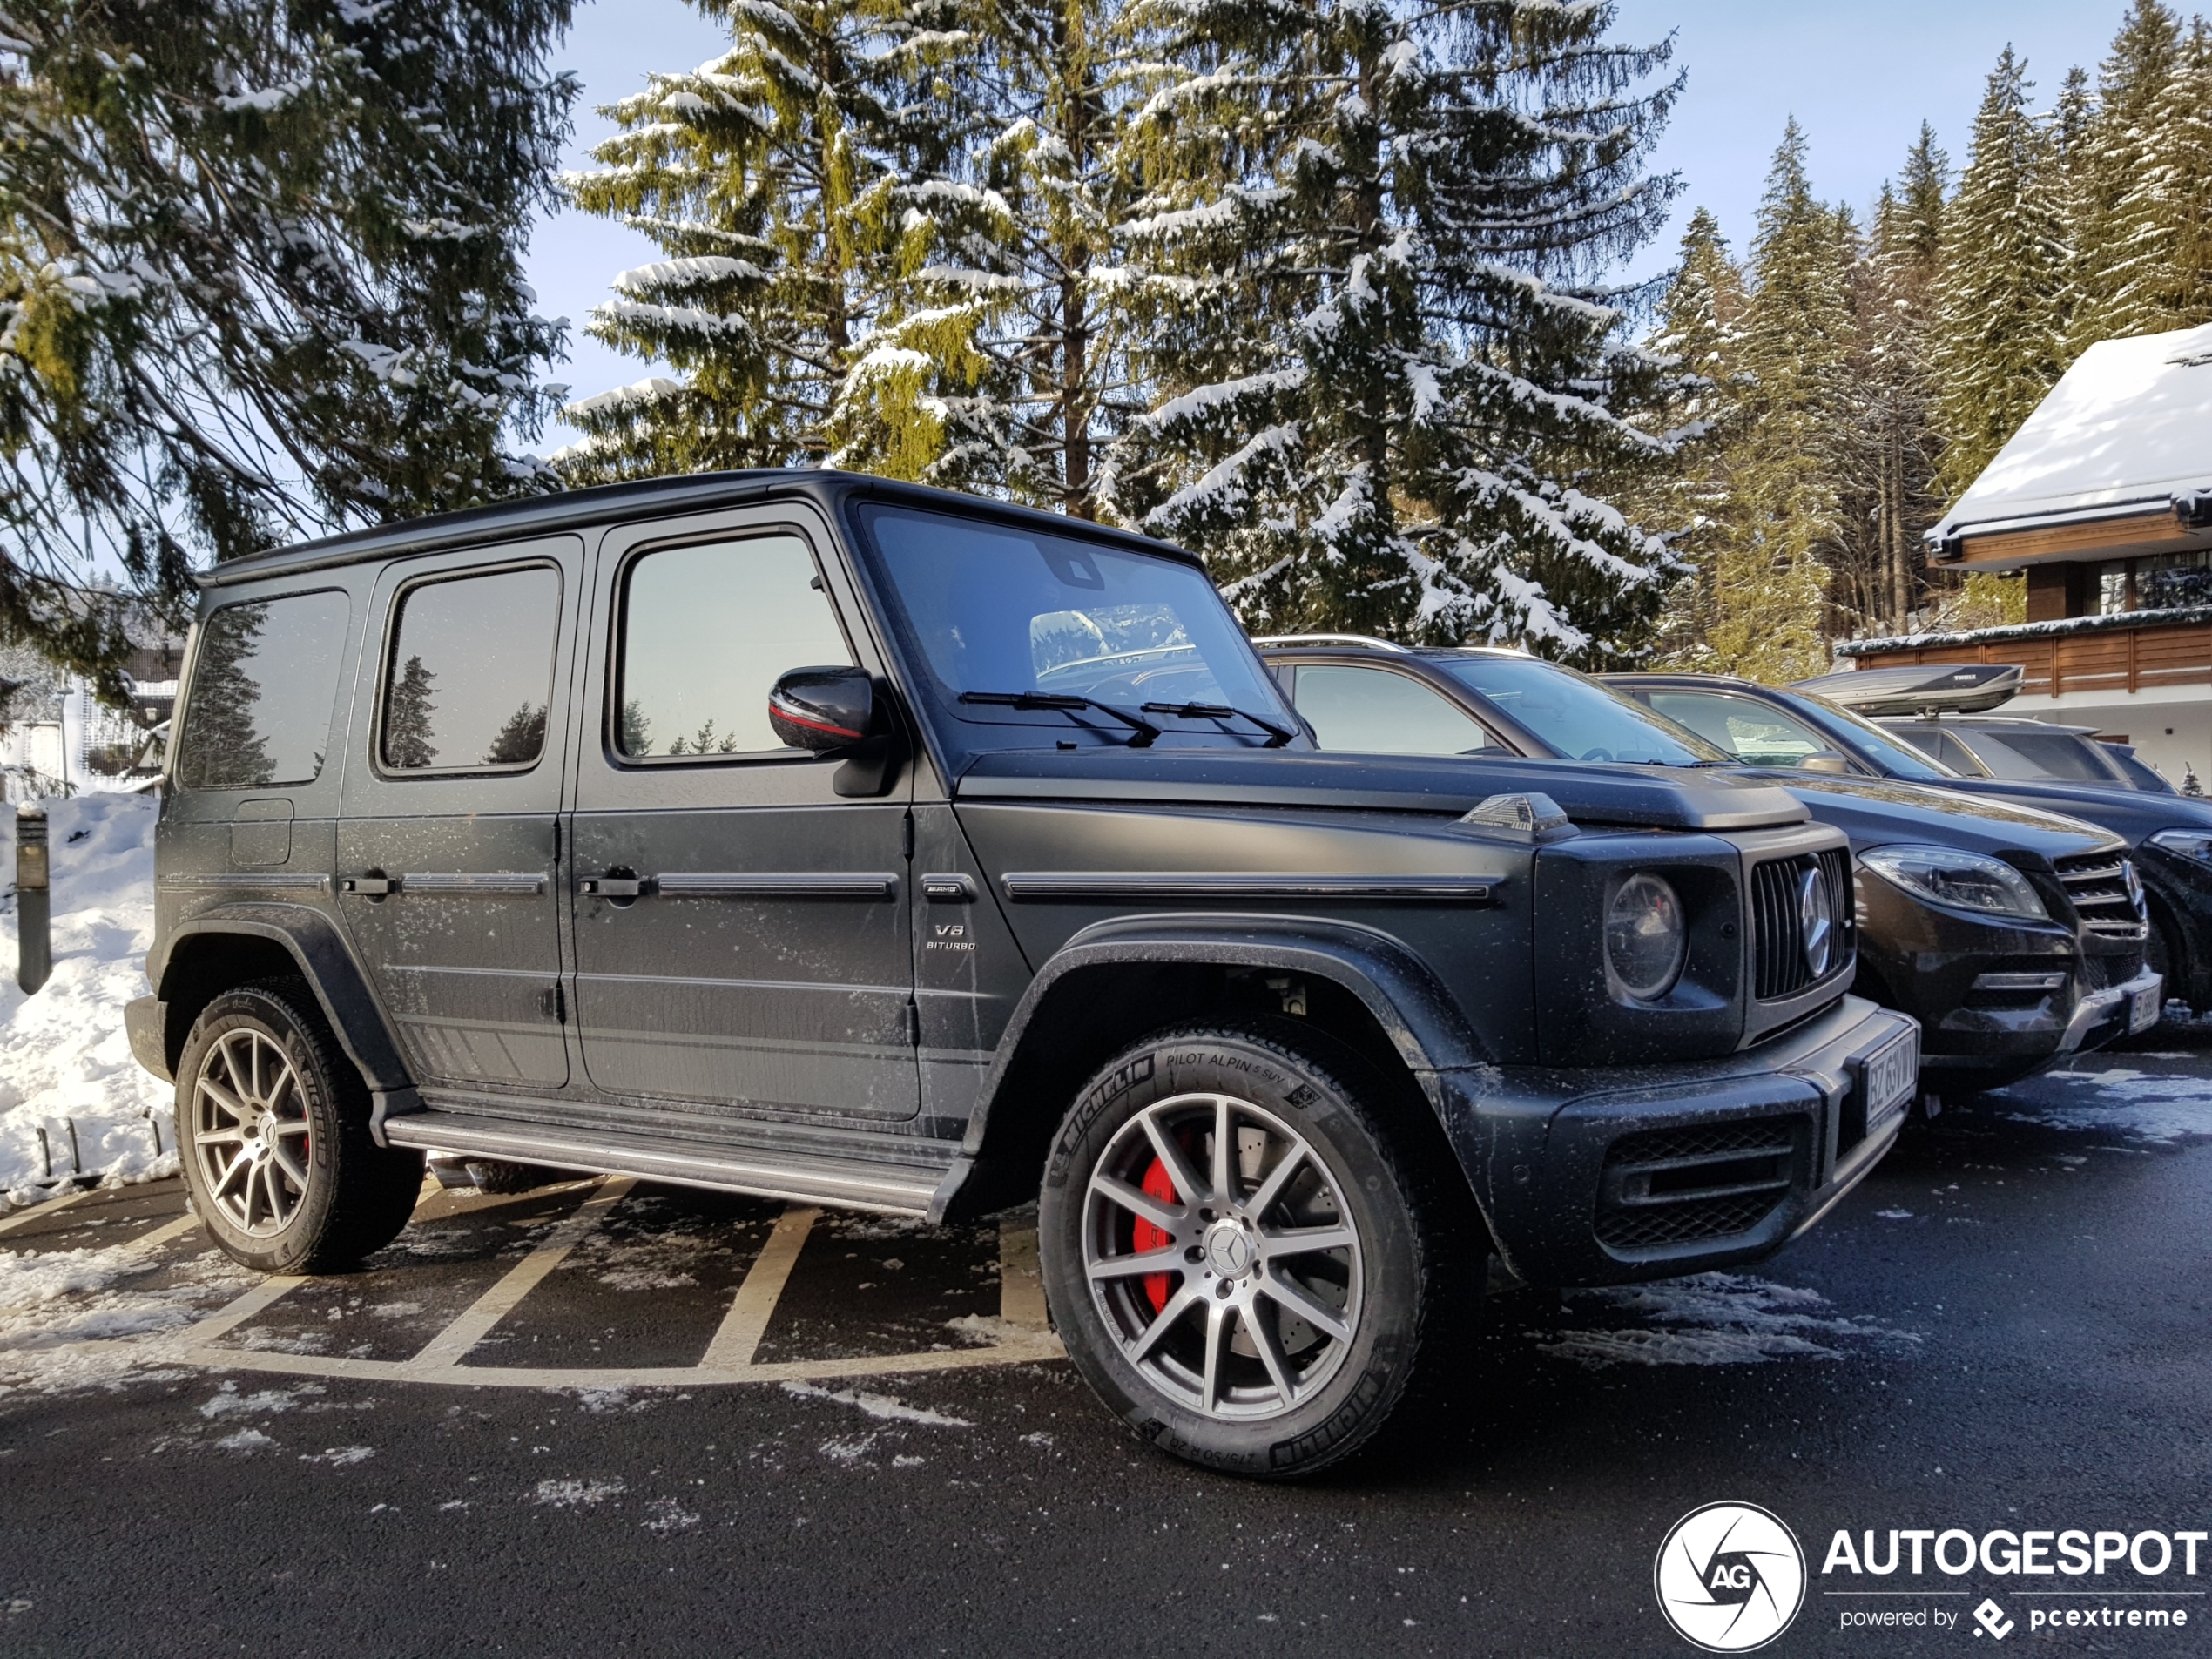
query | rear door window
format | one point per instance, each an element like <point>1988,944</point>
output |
<point>469,672</point>
<point>1372,711</point>
<point>707,632</point>
<point>258,712</point>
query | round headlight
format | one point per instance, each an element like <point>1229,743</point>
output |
<point>1645,939</point>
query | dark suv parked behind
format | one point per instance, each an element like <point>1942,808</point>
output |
<point>2009,934</point>
<point>801,834</point>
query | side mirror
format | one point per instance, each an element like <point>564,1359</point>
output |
<point>823,709</point>
<point>836,711</point>
<point>1826,760</point>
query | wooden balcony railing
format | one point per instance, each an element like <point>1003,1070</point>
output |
<point>2146,657</point>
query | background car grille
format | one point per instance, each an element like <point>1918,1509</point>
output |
<point>1685,1185</point>
<point>1778,956</point>
<point>2097,883</point>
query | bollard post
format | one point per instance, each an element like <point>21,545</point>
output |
<point>34,900</point>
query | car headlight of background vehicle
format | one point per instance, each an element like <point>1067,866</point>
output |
<point>1958,880</point>
<point>1646,937</point>
<point>2190,844</point>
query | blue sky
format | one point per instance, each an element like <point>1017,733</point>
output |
<point>1859,78</point>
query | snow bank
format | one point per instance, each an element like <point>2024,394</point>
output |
<point>63,1057</point>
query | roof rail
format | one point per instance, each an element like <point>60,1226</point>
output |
<point>1332,639</point>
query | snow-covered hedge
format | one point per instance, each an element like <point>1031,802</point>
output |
<point>63,1057</point>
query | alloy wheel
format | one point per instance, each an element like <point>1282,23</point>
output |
<point>1221,1256</point>
<point>249,1132</point>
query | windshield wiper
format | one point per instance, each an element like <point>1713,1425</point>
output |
<point>1277,736</point>
<point>1142,731</point>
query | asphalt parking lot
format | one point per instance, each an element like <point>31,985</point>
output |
<point>600,1418</point>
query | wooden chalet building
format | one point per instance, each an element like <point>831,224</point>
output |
<point>2104,499</point>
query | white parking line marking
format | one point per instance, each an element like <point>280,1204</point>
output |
<point>728,1360</point>
<point>448,1346</point>
<point>1027,1349</point>
<point>747,1319</point>
<point>232,1315</point>
<point>1021,1278</point>
<point>29,1213</point>
<point>162,1235</point>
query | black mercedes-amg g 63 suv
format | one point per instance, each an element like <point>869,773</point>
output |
<point>807,835</point>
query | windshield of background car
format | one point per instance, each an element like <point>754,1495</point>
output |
<point>2026,755</point>
<point>990,608</point>
<point>2139,771</point>
<point>1575,717</point>
<point>1869,740</point>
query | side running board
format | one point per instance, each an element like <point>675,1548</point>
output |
<point>847,1183</point>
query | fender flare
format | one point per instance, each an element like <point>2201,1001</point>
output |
<point>1420,1019</point>
<point>324,962</point>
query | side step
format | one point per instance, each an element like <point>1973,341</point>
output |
<point>847,1183</point>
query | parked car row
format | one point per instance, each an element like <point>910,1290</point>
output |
<point>845,842</point>
<point>2014,936</point>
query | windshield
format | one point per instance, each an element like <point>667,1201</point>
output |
<point>1575,717</point>
<point>988,610</point>
<point>2139,772</point>
<point>1755,733</point>
<point>1869,740</point>
<point>2028,757</point>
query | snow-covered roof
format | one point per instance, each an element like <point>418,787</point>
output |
<point>2130,421</point>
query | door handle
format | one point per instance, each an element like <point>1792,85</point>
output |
<point>369,887</point>
<point>612,886</point>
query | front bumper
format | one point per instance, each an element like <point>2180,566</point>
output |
<point>1963,977</point>
<point>1548,1150</point>
<point>2102,1016</point>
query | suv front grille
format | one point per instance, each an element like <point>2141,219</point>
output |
<point>1778,943</point>
<point>1680,1186</point>
<point>2097,883</point>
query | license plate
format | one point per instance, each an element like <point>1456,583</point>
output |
<point>1890,1075</point>
<point>2144,1013</point>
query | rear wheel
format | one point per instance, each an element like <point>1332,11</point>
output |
<point>274,1124</point>
<point>1231,1253</point>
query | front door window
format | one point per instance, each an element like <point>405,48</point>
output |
<point>1373,711</point>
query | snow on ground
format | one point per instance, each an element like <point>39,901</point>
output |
<point>1716,1319</point>
<point>2144,1106</point>
<point>117,1298</point>
<point>63,1057</point>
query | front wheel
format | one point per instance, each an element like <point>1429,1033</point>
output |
<point>1231,1253</point>
<point>273,1121</point>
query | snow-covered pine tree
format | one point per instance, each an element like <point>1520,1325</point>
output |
<point>2159,271</point>
<point>2000,289</point>
<point>2115,147</point>
<point>1889,487</point>
<point>1692,501</point>
<point>1394,375</point>
<point>1769,580</point>
<point>1003,315</point>
<point>764,176</point>
<point>259,274</point>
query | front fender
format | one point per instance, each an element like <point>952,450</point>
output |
<point>1415,1012</point>
<point>313,942</point>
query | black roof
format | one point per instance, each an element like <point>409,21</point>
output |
<point>652,497</point>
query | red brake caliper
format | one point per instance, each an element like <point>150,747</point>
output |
<point>1146,1236</point>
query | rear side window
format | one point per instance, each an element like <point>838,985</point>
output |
<point>266,675</point>
<point>707,632</point>
<point>469,673</point>
<point>2026,756</point>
